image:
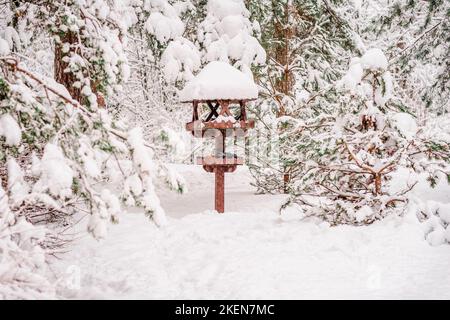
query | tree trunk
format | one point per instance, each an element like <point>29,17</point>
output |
<point>67,79</point>
<point>286,179</point>
<point>377,184</point>
<point>283,33</point>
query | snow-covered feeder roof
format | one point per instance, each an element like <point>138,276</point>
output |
<point>219,81</point>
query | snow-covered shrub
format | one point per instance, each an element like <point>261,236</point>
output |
<point>159,24</point>
<point>22,260</point>
<point>435,213</point>
<point>227,34</point>
<point>348,152</point>
<point>149,102</point>
<point>72,155</point>
<point>159,58</point>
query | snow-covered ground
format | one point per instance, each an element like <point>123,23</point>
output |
<point>251,252</point>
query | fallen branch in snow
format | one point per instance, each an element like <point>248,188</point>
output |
<point>357,161</point>
<point>342,194</point>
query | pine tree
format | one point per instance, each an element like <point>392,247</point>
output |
<point>65,145</point>
<point>306,42</point>
<point>415,36</point>
<point>350,152</point>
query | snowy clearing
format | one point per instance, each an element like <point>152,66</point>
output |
<point>250,252</point>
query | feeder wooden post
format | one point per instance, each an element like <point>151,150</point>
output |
<point>219,190</point>
<point>219,172</point>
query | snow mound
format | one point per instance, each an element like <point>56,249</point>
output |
<point>164,26</point>
<point>4,47</point>
<point>354,75</point>
<point>222,9</point>
<point>406,124</point>
<point>56,176</point>
<point>10,130</point>
<point>180,59</point>
<point>374,59</point>
<point>219,80</point>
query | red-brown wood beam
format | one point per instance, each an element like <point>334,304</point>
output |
<point>225,110</point>
<point>195,111</point>
<point>202,125</point>
<point>243,115</point>
<point>219,189</point>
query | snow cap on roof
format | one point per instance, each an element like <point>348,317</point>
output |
<point>219,81</point>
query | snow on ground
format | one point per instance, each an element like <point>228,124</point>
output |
<point>250,252</point>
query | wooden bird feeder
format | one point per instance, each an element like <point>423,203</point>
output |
<point>219,88</point>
